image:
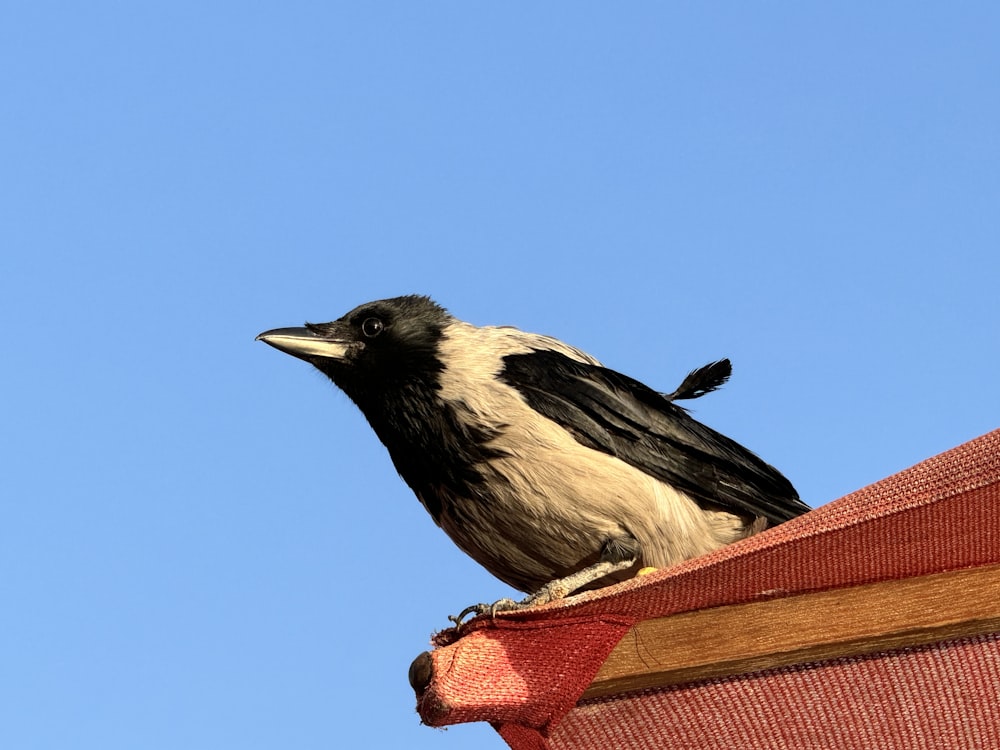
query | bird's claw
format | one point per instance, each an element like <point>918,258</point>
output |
<point>552,591</point>
<point>478,609</point>
<point>501,605</point>
<point>544,595</point>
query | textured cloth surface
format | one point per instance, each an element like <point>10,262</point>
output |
<point>944,697</point>
<point>512,673</point>
<point>525,671</point>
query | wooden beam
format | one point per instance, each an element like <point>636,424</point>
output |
<point>743,638</point>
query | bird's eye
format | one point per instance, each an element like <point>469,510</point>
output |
<point>372,327</point>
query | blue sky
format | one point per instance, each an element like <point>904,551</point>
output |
<point>202,544</point>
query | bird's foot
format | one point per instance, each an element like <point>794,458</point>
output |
<point>550,592</point>
<point>617,555</point>
<point>501,605</point>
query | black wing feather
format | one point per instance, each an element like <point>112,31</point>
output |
<point>613,413</point>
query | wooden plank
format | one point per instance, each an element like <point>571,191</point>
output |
<point>738,639</point>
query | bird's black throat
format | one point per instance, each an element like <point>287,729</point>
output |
<point>435,451</point>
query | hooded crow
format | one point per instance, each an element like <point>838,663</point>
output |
<point>553,472</point>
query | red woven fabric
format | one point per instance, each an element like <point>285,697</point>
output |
<point>513,673</point>
<point>946,697</point>
<point>525,671</point>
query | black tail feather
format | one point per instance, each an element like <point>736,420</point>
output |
<point>703,380</point>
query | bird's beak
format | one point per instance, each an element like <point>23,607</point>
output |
<point>304,343</point>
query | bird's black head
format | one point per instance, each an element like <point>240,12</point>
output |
<point>376,348</point>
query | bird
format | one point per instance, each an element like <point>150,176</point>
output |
<point>553,472</point>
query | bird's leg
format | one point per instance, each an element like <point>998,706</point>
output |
<point>617,554</point>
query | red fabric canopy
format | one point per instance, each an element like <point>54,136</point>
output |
<point>526,671</point>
